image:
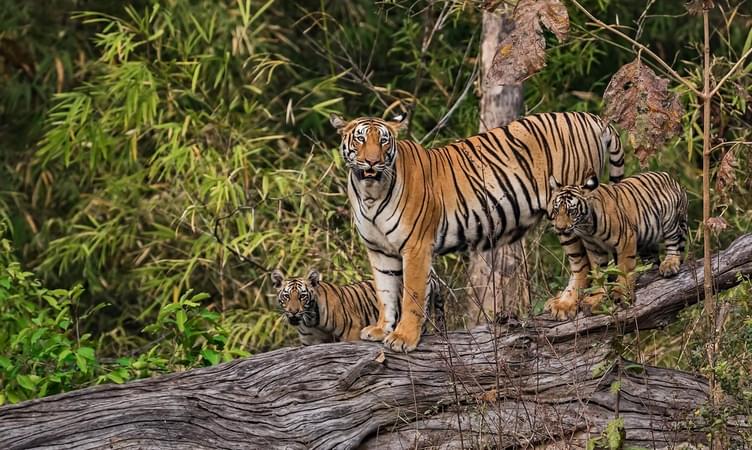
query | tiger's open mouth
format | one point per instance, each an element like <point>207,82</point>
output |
<point>565,230</point>
<point>368,174</point>
<point>294,320</point>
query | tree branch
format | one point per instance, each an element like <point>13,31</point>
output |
<point>640,46</point>
<point>730,72</point>
<point>445,118</point>
<point>514,385</point>
<point>237,254</point>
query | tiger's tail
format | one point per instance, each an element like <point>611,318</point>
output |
<point>612,143</point>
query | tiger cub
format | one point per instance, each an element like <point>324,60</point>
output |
<point>637,213</point>
<point>323,312</point>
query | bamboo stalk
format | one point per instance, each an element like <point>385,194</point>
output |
<point>709,302</point>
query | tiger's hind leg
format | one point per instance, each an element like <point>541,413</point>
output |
<point>387,276</point>
<point>564,305</point>
<point>674,240</point>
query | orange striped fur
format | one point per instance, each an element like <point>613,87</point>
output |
<point>410,203</point>
<point>635,214</point>
<point>323,312</point>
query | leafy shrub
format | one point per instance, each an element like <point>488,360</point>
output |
<point>45,352</point>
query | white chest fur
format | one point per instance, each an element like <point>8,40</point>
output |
<point>374,218</point>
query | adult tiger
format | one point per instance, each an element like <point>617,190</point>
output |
<point>410,203</point>
<point>323,312</point>
<point>638,213</point>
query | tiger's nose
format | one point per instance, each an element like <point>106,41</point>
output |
<point>372,162</point>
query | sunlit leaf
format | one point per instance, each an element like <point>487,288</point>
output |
<point>211,356</point>
<point>28,382</point>
<point>180,319</point>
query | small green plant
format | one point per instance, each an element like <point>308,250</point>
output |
<point>191,335</point>
<point>43,351</point>
<point>612,437</point>
<point>604,279</point>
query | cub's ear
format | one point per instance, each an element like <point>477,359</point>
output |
<point>337,122</point>
<point>277,279</point>
<point>553,184</point>
<point>591,183</point>
<point>399,122</point>
<point>314,278</point>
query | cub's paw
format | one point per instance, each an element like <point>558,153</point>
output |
<point>621,295</point>
<point>562,307</point>
<point>401,342</point>
<point>670,266</point>
<point>591,302</point>
<point>372,333</point>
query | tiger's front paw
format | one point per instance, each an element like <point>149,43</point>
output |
<point>563,306</point>
<point>401,342</point>
<point>670,266</point>
<point>372,333</point>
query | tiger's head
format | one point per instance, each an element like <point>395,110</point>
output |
<point>298,298</point>
<point>369,144</point>
<point>569,208</point>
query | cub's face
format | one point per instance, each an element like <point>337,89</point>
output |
<point>297,297</point>
<point>569,209</point>
<point>369,145</point>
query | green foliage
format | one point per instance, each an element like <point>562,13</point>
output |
<point>734,358</point>
<point>44,351</point>
<point>191,334</point>
<point>130,127</point>
<point>612,437</point>
<point>605,278</point>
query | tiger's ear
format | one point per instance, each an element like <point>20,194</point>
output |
<point>398,122</point>
<point>553,184</point>
<point>278,278</point>
<point>314,278</point>
<point>337,122</point>
<point>591,183</point>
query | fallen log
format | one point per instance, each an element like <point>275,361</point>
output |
<point>538,383</point>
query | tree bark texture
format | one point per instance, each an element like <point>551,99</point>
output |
<point>532,384</point>
<point>498,277</point>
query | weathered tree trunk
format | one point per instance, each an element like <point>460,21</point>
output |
<point>537,383</point>
<point>498,277</point>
